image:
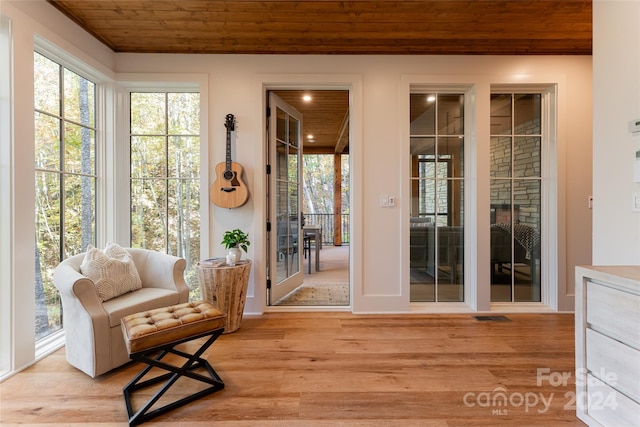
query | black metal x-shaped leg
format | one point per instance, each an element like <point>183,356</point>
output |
<point>194,361</point>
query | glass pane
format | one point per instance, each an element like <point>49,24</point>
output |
<point>526,195</point>
<point>281,125</point>
<point>426,206</point>
<point>294,134</point>
<point>442,201</point>
<point>47,204</point>
<point>456,202</point>
<point>184,160</point>
<point>184,228</point>
<point>184,218</point>
<point>423,154</point>
<point>422,260</point>
<point>79,149</point>
<point>527,114</point>
<point>423,114</point>
<point>500,114</point>
<point>293,165</point>
<point>451,152</point>
<point>450,114</point>
<point>79,213</point>
<point>47,142</point>
<point>450,263</point>
<point>148,157</point>
<point>46,85</point>
<point>527,244</point>
<point>527,156</point>
<point>294,206</point>
<point>501,211</point>
<point>500,157</point>
<point>503,216</point>
<point>294,266</point>
<point>48,304</point>
<point>79,99</point>
<point>284,248</point>
<point>451,244</point>
<point>148,214</point>
<point>184,113</point>
<point>148,115</point>
<point>501,262</point>
<point>294,227</point>
<point>47,227</point>
<point>281,161</point>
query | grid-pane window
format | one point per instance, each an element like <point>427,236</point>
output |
<point>65,178</point>
<point>165,175</point>
<point>516,187</point>
<point>437,197</point>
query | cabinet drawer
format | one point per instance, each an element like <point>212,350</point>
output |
<point>614,313</point>
<point>614,363</point>
<point>610,407</point>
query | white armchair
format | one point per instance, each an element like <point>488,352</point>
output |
<point>94,341</point>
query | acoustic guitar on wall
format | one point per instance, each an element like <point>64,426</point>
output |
<point>228,190</point>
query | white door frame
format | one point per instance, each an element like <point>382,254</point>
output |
<point>257,297</point>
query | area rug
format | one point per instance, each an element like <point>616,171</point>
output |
<point>318,294</point>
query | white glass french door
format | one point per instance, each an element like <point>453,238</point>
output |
<point>284,196</point>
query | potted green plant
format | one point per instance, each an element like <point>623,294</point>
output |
<point>233,241</point>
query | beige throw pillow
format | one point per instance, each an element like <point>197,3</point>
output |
<point>112,271</point>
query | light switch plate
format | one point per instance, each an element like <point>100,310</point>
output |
<point>636,203</point>
<point>387,201</point>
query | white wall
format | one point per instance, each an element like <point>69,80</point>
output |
<point>378,285</point>
<point>236,85</point>
<point>616,101</point>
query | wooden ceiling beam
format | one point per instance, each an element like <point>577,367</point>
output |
<point>342,141</point>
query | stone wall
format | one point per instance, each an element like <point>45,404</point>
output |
<point>526,172</point>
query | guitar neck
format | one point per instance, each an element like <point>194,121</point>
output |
<point>228,162</point>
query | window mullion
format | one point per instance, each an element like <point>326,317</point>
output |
<point>62,163</point>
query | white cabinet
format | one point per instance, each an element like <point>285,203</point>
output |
<point>608,345</point>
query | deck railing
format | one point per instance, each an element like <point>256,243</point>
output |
<point>326,222</point>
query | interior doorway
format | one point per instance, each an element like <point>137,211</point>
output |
<point>319,244</point>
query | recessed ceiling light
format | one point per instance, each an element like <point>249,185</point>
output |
<point>310,136</point>
<point>306,98</point>
<point>431,98</point>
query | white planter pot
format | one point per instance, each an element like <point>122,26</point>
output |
<point>233,256</point>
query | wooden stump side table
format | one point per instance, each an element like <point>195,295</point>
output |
<point>225,286</point>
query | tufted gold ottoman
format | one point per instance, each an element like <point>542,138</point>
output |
<point>151,335</point>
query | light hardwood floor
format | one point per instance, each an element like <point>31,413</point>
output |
<point>328,369</point>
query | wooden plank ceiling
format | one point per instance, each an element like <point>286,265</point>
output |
<point>325,116</point>
<point>531,27</point>
<point>409,27</point>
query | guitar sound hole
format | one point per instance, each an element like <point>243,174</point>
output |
<point>228,175</point>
